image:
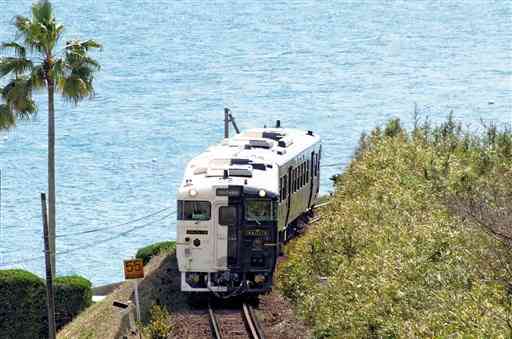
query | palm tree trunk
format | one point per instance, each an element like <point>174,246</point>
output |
<point>51,171</point>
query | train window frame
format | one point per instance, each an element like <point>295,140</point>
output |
<point>221,215</point>
<point>271,216</point>
<point>182,207</point>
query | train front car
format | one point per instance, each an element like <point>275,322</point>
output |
<point>232,213</point>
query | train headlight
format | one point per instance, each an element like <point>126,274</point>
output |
<point>192,192</point>
<point>259,278</point>
<point>262,193</point>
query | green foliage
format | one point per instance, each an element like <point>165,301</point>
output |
<point>32,63</point>
<point>146,253</point>
<point>73,295</point>
<point>390,258</point>
<point>23,305</point>
<point>160,324</point>
<point>23,298</point>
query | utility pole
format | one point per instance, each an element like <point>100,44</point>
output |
<point>50,299</point>
<point>228,118</point>
<point>226,123</point>
<point>232,119</point>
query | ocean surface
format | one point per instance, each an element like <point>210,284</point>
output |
<point>170,67</point>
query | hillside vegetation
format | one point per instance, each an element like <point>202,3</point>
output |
<point>416,240</point>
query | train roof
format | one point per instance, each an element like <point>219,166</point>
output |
<point>248,157</point>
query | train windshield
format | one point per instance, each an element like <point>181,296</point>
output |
<point>258,210</point>
<point>194,210</point>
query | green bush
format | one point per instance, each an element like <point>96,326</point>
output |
<point>146,253</point>
<point>73,294</point>
<point>22,305</point>
<point>391,259</point>
<point>23,312</point>
<point>160,324</point>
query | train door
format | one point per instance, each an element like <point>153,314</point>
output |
<point>220,237</point>
<point>227,238</point>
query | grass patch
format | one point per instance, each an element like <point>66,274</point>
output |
<point>146,253</point>
<point>392,257</point>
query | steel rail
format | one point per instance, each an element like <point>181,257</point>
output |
<point>214,323</point>
<point>252,325</point>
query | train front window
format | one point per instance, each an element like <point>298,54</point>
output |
<point>194,210</point>
<point>258,210</point>
<point>227,215</point>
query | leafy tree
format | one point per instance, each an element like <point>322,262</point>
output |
<point>34,61</point>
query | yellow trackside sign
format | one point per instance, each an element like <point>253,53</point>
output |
<point>133,269</point>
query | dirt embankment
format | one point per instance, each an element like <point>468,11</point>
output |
<point>162,286</point>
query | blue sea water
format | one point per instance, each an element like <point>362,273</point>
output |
<point>169,69</point>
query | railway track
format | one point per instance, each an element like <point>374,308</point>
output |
<point>234,323</point>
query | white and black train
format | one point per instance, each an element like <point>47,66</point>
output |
<point>238,203</point>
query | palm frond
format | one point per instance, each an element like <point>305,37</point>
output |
<point>23,25</point>
<point>46,29</point>
<point>18,66</point>
<point>42,11</point>
<point>19,50</point>
<point>90,44</point>
<point>7,117</point>
<point>18,96</point>
<point>24,31</point>
<point>37,77</point>
<point>76,88</point>
<point>76,70</point>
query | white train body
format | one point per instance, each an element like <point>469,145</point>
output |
<point>238,202</point>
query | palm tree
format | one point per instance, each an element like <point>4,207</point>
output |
<point>34,63</point>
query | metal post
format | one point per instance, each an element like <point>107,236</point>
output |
<point>226,123</point>
<point>232,119</point>
<point>137,304</point>
<point>49,275</point>
<point>1,231</point>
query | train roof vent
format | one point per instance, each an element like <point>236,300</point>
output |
<point>285,142</point>
<point>236,161</point>
<point>272,135</point>
<point>259,166</point>
<point>200,170</point>
<point>240,172</point>
<point>260,144</point>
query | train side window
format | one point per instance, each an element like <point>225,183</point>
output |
<point>318,164</point>
<point>298,177</point>
<point>301,176</point>
<point>281,189</point>
<point>295,180</point>
<point>194,210</point>
<point>292,182</point>
<point>315,168</point>
<point>227,215</point>
<point>307,171</point>
<point>285,186</point>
